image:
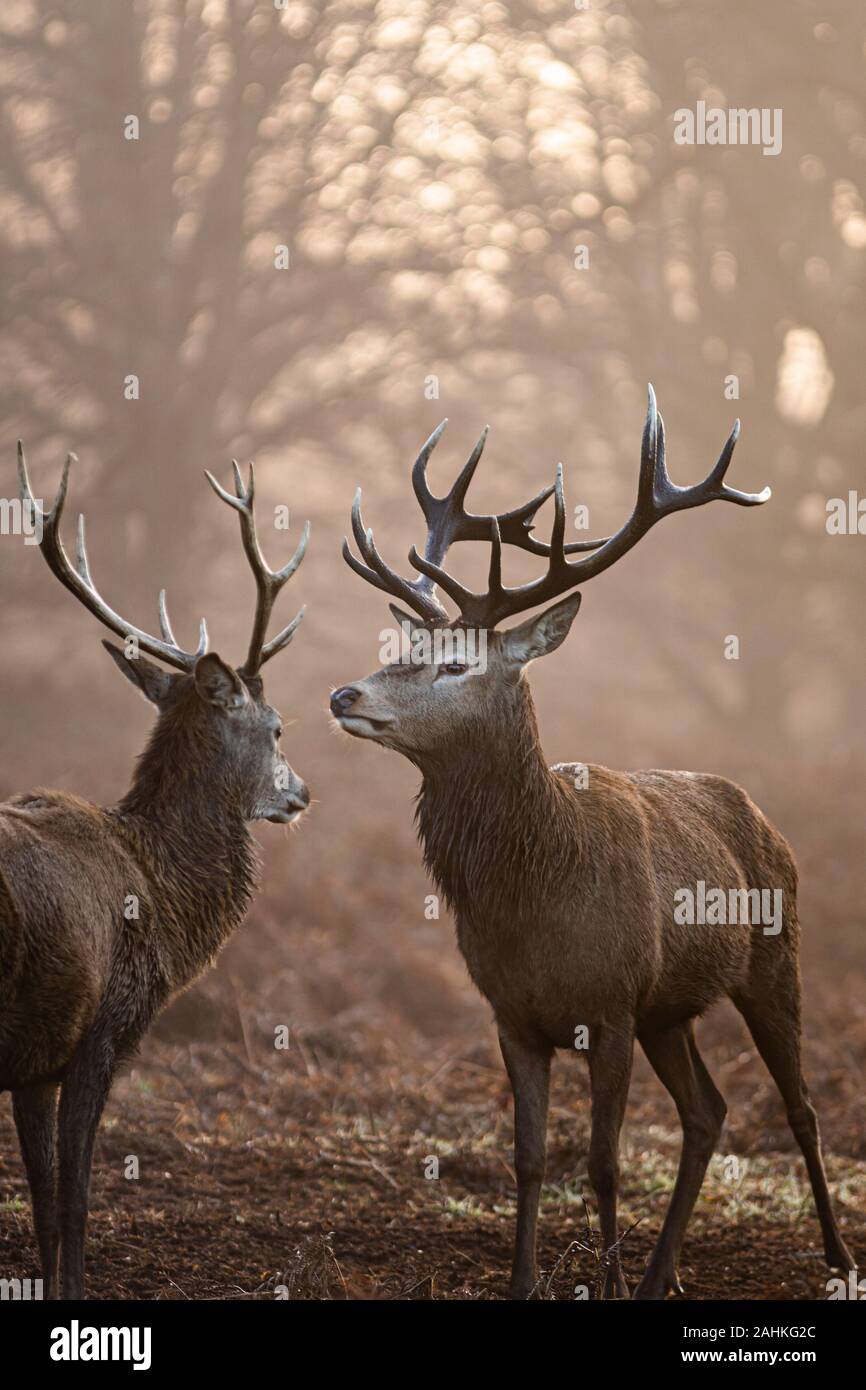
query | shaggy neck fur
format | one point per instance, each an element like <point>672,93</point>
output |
<point>183,818</point>
<point>495,824</point>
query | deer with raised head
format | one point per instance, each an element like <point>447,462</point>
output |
<point>563,879</point>
<point>106,914</point>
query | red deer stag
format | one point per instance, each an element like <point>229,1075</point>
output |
<point>105,914</point>
<point>564,893</point>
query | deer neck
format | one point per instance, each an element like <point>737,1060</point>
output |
<point>183,820</point>
<point>493,820</point>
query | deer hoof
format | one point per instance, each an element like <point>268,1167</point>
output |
<point>838,1256</point>
<point>522,1289</point>
<point>615,1285</point>
<point>657,1286</point>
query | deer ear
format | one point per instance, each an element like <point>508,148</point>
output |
<point>541,634</point>
<point>218,684</point>
<point>156,685</point>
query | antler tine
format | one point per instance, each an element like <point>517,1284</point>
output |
<point>81,556</point>
<point>166,629</point>
<point>24,489</point>
<point>515,528</point>
<point>164,623</point>
<point>657,497</point>
<point>413,591</point>
<point>424,605</point>
<point>417,594</point>
<point>557,535</point>
<point>246,494</point>
<point>494,573</point>
<point>446,517</point>
<point>447,522</point>
<point>240,501</point>
<point>460,487</point>
<point>435,573</point>
<point>717,487</point>
<point>77,579</point>
<point>283,638</point>
<point>419,471</point>
<point>363,570</point>
<point>268,582</point>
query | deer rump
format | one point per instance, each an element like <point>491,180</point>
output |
<point>60,866</point>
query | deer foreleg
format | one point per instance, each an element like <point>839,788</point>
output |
<point>610,1058</point>
<point>529,1072</point>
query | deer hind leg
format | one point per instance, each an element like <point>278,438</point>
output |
<point>529,1073</point>
<point>674,1056</point>
<point>35,1112</point>
<point>610,1057</point>
<point>776,1031</point>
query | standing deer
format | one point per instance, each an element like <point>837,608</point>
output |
<point>106,914</point>
<point>563,894</point>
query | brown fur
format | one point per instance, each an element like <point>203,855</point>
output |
<point>564,905</point>
<point>80,980</point>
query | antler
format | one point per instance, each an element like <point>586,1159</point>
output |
<point>268,581</point>
<point>447,522</point>
<point>79,582</point>
<point>657,497</point>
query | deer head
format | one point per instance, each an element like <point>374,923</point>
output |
<point>450,685</point>
<point>222,710</point>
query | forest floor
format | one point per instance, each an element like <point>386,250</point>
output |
<point>309,1173</point>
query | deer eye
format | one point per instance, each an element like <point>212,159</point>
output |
<point>454,668</point>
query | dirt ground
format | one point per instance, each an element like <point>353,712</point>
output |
<point>304,1169</point>
<point>303,1173</point>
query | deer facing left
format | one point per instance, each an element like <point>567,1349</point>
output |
<point>107,913</point>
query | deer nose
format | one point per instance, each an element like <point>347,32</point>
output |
<point>343,699</point>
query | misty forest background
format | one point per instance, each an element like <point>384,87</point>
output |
<point>431,167</point>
